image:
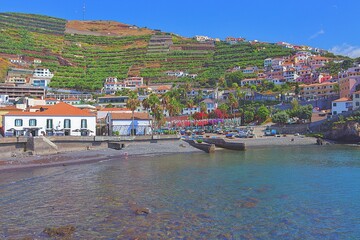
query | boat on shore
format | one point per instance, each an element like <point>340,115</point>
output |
<point>220,142</point>
<point>206,147</point>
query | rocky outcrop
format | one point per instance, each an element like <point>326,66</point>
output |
<point>345,132</point>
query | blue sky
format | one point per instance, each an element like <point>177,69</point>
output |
<point>327,24</point>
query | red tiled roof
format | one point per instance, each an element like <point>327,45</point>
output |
<point>10,108</point>
<point>60,109</point>
<point>159,88</point>
<point>128,116</point>
<point>71,99</point>
<point>113,109</point>
<point>344,99</point>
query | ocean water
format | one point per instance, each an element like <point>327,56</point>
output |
<point>271,193</point>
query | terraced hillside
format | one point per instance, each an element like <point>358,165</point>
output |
<point>83,61</point>
<point>33,23</point>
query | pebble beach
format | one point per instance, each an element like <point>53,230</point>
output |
<point>136,149</point>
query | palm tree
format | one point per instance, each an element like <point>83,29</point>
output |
<point>153,102</point>
<point>190,103</point>
<point>174,107</point>
<point>132,103</point>
<point>165,99</point>
<point>233,103</point>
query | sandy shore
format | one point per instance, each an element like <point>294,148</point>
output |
<point>137,149</point>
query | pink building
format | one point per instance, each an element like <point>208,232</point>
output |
<point>348,86</point>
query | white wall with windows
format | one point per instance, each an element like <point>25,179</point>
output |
<point>341,106</point>
<point>49,125</point>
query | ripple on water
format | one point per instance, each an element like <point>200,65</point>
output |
<point>257,194</point>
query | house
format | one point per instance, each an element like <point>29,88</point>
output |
<point>115,101</point>
<point>202,38</point>
<point>21,91</point>
<point>190,110</point>
<point>250,70</point>
<point>251,81</point>
<point>175,73</point>
<point>210,104</point>
<point>348,85</point>
<point>103,112</point>
<point>318,90</point>
<point>4,99</point>
<point>233,40</point>
<point>112,85</point>
<point>41,77</point>
<point>133,82</point>
<point>341,105</point>
<point>317,61</point>
<point>59,119</point>
<point>290,75</point>
<point>51,101</point>
<point>161,89</point>
<point>122,123</point>
<point>356,100</point>
<point>37,61</point>
<point>267,62</point>
<point>72,101</point>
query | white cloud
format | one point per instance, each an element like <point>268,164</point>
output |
<point>346,50</point>
<point>317,34</point>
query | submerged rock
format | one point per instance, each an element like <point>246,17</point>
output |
<point>64,231</point>
<point>142,211</point>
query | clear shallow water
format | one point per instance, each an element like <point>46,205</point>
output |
<point>274,193</point>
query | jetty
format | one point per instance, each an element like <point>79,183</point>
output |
<point>206,147</point>
<point>220,142</point>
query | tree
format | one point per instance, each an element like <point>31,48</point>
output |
<point>280,117</point>
<point>223,108</point>
<point>132,103</point>
<point>153,102</point>
<point>263,113</point>
<point>190,103</point>
<point>203,107</point>
<point>233,103</point>
<point>305,112</point>
<point>174,107</point>
<point>248,116</point>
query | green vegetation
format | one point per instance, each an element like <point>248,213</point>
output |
<point>302,113</point>
<point>84,61</point>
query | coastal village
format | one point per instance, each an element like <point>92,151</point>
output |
<point>300,85</point>
<point>30,107</point>
<point>116,131</point>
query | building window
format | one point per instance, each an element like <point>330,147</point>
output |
<point>357,95</point>
<point>357,104</point>
<point>32,122</point>
<point>18,122</point>
<point>334,104</point>
<point>49,123</point>
<point>67,123</point>
<point>83,123</point>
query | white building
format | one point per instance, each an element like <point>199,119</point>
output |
<point>190,111</point>
<point>59,119</point>
<point>290,75</point>
<point>341,105</point>
<point>267,62</point>
<point>41,77</point>
<point>121,124</point>
<point>356,100</point>
<point>4,99</point>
